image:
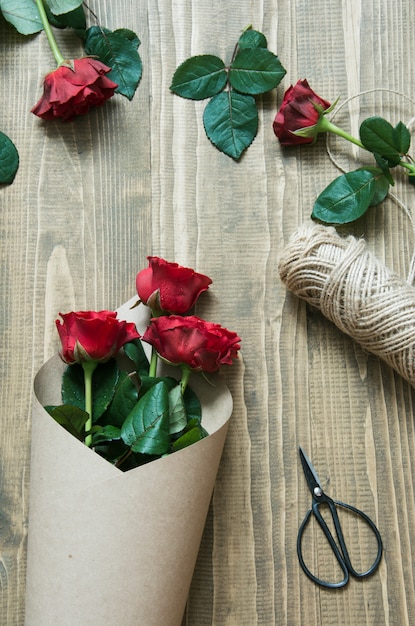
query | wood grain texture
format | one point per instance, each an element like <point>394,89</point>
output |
<point>93,198</point>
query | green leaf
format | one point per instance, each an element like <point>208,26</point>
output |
<point>177,410</point>
<point>119,52</point>
<point>72,418</point>
<point>147,382</point>
<point>130,35</point>
<point>381,184</point>
<point>347,197</point>
<point>255,71</point>
<point>104,381</point>
<point>252,39</point>
<point>199,77</point>
<point>9,160</point>
<point>403,138</point>
<point>146,429</point>
<point>135,351</point>
<point>105,433</point>
<point>195,433</point>
<point>384,166</point>
<point>23,15</point>
<point>231,122</point>
<point>379,136</point>
<point>124,400</point>
<point>63,6</point>
<point>73,19</point>
<point>192,404</point>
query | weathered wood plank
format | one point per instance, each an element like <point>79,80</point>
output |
<point>92,199</point>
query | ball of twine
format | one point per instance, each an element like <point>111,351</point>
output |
<point>355,290</point>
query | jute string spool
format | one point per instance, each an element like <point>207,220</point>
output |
<point>351,287</point>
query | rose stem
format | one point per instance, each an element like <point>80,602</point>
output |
<point>185,378</point>
<point>49,34</point>
<point>326,126</point>
<point>123,458</point>
<point>409,166</point>
<point>88,367</point>
<point>153,363</point>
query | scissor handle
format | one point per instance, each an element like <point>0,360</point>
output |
<point>342,555</point>
<point>337,553</point>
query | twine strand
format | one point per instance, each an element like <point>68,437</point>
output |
<point>352,288</point>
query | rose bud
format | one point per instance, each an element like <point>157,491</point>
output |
<point>68,91</point>
<point>297,121</point>
<point>192,342</point>
<point>168,287</point>
<point>93,336</point>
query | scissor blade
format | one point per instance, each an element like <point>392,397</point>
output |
<point>313,480</point>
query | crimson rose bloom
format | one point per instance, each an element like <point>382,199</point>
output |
<point>296,112</point>
<point>193,342</point>
<point>168,287</point>
<point>69,92</point>
<point>93,336</point>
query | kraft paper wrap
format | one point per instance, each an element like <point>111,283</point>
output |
<point>108,547</point>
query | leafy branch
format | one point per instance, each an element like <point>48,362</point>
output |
<point>349,196</point>
<point>231,117</point>
<point>134,419</point>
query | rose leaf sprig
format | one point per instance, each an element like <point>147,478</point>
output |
<point>231,117</point>
<point>112,63</point>
<point>131,414</point>
<point>303,116</point>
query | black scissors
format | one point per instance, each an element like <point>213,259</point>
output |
<point>340,549</point>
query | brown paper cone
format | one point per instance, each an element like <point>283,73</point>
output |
<point>108,547</point>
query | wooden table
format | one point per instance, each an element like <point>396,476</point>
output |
<point>93,198</point>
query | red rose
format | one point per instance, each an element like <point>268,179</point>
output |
<point>93,336</point>
<point>168,287</point>
<point>298,112</point>
<point>69,92</point>
<point>193,342</point>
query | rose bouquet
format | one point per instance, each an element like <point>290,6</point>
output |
<point>130,417</point>
<point>124,465</point>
